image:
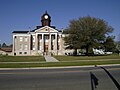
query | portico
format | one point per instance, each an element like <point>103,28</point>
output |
<point>46,43</point>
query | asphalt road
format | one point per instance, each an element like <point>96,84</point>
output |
<point>87,78</point>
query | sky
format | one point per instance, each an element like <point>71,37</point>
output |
<point>19,15</point>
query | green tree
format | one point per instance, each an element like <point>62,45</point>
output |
<point>87,32</point>
<point>118,45</point>
<point>4,45</point>
<point>109,44</point>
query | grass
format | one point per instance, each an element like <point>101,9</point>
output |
<point>64,61</point>
<point>73,58</point>
<point>21,58</point>
<point>57,64</point>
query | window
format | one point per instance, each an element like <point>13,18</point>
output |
<point>15,54</point>
<point>20,52</point>
<point>21,47</point>
<point>33,47</point>
<point>26,39</point>
<point>21,39</point>
<point>33,38</point>
<point>25,52</point>
<point>53,37</point>
<point>47,37</point>
<point>26,47</point>
<point>40,37</point>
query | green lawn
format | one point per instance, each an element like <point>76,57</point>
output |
<point>73,58</point>
<point>57,64</point>
<point>21,58</point>
<point>64,61</point>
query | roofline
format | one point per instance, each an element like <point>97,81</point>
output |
<point>20,31</point>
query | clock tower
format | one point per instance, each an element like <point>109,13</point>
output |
<point>46,19</point>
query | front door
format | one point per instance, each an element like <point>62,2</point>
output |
<point>46,49</point>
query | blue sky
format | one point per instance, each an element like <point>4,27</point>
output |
<point>22,14</point>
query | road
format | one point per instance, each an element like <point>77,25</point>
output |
<point>61,79</point>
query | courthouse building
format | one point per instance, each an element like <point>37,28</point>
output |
<point>43,40</point>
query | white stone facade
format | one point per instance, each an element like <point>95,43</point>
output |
<point>45,40</point>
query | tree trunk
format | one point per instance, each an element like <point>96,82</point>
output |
<point>75,52</point>
<point>87,50</point>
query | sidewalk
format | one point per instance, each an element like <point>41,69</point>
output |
<point>50,59</point>
<point>20,62</point>
<point>63,67</point>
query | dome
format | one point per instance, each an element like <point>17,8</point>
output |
<point>45,14</point>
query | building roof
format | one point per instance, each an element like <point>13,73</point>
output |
<point>20,31</point>
<point>6,49</point>
<point>37,27</point>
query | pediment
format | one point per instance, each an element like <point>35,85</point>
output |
<point>46,29</point>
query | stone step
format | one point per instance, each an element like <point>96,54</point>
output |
<point>50,58</point>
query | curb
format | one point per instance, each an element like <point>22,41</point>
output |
<point>57,67</point>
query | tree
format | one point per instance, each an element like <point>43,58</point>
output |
<point>109,44</point>
<point>87,32</point>
<point>4,45</point>
<point>118,47</point>
<point>11,45</point>
<point>118,44</point>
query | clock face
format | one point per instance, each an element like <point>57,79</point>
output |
<point>46,16</point>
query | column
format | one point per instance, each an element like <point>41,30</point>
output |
<point>56,43</point>
<point>29,44</point>
<point>61,45</point>
<point>36,42</point>
<point>61,42</point>
<point>39,43</point>
<point>42,45</point>
<point>50,43</point>
<point>13,45</point>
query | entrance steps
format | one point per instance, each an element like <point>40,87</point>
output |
<point>49,58</point>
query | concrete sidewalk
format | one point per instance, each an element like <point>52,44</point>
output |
<point>50,59</point>
<point>20,62</point>
<point>63,67</point>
